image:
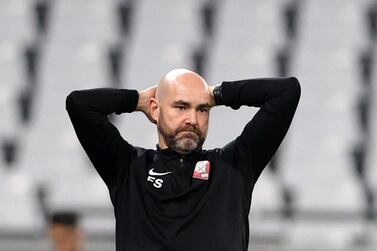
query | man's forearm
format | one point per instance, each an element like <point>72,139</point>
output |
<point>102,100</point>
<point>257,92</point>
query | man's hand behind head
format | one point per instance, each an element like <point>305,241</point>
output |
<point>144,98</point>
<point>211,87</point>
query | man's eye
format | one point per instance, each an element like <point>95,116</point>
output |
<point>180,107</point>
<point>203,109</point>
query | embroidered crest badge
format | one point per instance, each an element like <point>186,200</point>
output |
<point>201,170</point>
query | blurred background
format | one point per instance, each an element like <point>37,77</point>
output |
<point>318,192</point>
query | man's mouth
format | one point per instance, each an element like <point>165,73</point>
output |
<point>189,134</point>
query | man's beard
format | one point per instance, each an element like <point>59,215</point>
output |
<point>183,140</point>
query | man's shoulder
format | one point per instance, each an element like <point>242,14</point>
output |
<point>140,151</point>
<point>212,152</point>
<point>137,151</point>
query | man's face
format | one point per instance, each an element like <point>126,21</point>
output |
<point>183,117</point>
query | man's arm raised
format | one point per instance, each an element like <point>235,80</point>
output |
<point>261,137</point>
<point>101,140</point>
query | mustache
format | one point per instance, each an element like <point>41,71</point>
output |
<point>193,129</point>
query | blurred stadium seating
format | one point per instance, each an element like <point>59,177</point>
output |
<point>319,193</point>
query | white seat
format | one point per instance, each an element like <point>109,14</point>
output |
<point>14,14</point>
<point>160,44</point>
<point>73,60</point>
<point>256,23</point>
<point>324,132</point>
<point>371,162</point>
<point>76,21</point>
<point>52,153</point>
<point>318,161</point>
<point>340,23</point>
<point>19,211</point>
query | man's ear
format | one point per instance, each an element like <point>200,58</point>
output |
<point>154,109</point>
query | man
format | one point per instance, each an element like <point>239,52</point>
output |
<point>64,233</point>
<point>179,196</point>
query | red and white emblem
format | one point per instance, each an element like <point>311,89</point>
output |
<point>201,170</point>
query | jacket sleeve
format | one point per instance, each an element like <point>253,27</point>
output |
<point>101,140</point>
<point>277,98</point>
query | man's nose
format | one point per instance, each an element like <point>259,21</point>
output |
<point>192,117</point>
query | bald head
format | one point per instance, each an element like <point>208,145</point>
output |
<point>180,79</point>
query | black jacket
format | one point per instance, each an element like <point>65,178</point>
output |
<point>158,204</point>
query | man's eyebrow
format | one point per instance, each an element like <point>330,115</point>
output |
<point>206,105</point>
<point>181,102</point>
<point>185,103</point>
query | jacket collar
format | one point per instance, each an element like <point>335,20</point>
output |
<point>169,153</point>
